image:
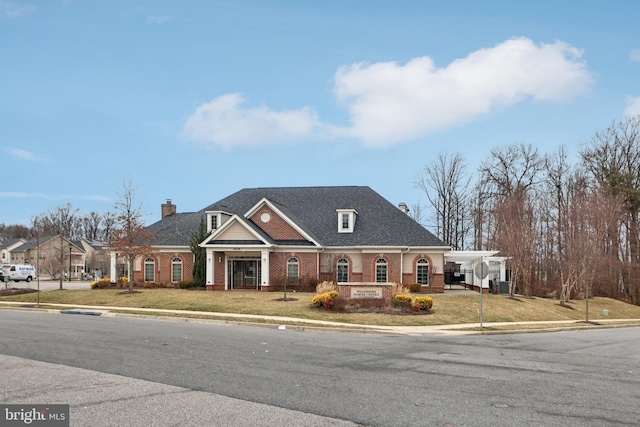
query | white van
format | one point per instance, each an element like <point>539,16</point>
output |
<point>17,272</point>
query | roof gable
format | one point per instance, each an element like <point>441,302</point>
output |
<point>275,223</point>
<point>235,231</point>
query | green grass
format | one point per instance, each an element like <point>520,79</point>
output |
<point>447,309</point>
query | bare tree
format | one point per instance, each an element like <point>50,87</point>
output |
<point>446,185</point>
<point>63,220</point>
<point>418,214</point>
<point>613,159</point>
<point>14,231</point>
<point>91,226</point>
<point>587,215</point>
<point>130,239</point>
<point>108,224</point>
<point>512,168</point>
<point>554,210</point>
<point>510,176</point>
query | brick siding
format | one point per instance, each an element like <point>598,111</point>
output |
<point>276,227</point>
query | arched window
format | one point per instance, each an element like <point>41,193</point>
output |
<point>381,270</point>
<point>422,271</point>
<point>293,268</point>
<point>342,267</point>
<point>176,270</point>
<point>149,270</point>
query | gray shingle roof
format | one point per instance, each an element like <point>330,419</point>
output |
<point>378,223</point>
<point>33,243</point>
<point>8,242</point>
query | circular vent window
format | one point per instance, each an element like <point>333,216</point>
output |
<point>265,216</point>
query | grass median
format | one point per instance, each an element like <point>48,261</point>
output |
<point>447,309</point>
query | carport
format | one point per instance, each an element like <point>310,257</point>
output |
<point>472,264</point>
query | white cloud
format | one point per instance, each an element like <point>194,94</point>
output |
<point>221,122</point>
<point>47,196</point>
<point>389,103</point>
<point>9,10</point>
<point>634,55</point>
<point>633,106</point>
<point>22,154</point>
<point>157,19</point>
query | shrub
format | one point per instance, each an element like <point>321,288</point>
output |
<point>319,299</point>
<point>415,287</point>
<point>398,288</point>
<point>101,284</point>
<point>326,286</point>
<point>425,302</point>
<point>327,303</point>
<point>188,284</point>
<point>401,299</point>
<point>278,283</point>
<point>123,282</point>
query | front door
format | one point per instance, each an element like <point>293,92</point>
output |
<point>245,274</point>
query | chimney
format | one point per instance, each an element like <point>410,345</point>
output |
<point>403,207</point>
<point>168,209</point>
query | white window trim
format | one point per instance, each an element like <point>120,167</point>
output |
<point>148,261</point>
<point>295,262</point>
<point>352,213</point>
<point>174,263</point>
<point>382,262</point>
<point>346,263</point>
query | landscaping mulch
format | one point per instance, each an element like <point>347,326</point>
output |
<point>18,291</point>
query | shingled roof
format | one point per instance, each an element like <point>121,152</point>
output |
<point>313,209</point>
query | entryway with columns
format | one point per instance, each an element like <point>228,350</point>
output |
<point>243,269</point>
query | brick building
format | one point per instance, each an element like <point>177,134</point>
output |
<point>262,236</point>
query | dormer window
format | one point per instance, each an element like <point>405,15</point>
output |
<point>214,221</point>
<point>346,220</point>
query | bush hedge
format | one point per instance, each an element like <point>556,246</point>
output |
<point>415,287</point>
<point>401,299</point>
<point>325,299</point>
<point>424,302</point>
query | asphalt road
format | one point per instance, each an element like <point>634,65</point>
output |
<point>572,378</point>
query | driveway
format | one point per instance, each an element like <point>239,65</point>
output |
<point>48,285</point>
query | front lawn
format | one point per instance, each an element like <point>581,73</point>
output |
<point>447,309</point>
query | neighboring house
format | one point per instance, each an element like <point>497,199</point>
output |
<point>52,256</point>
<point>259,237</point>
<point>97,257</point>
<point>6,247</point>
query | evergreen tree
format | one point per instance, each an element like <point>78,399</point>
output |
<point>200,254</point>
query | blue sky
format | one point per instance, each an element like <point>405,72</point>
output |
<point>193,100</point>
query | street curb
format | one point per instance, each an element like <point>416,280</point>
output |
<point>370,329</point>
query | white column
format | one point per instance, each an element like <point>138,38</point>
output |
<point>210,266</point>
<point>265,269</point>
<point>114,260</point>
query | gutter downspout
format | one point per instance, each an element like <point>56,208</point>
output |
<point>402,263</point>
<point>318,263</point>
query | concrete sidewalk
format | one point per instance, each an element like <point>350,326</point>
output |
<point>298,323</point>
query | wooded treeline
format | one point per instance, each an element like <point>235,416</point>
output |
<point>65,221</point>
<point>568,227</point>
